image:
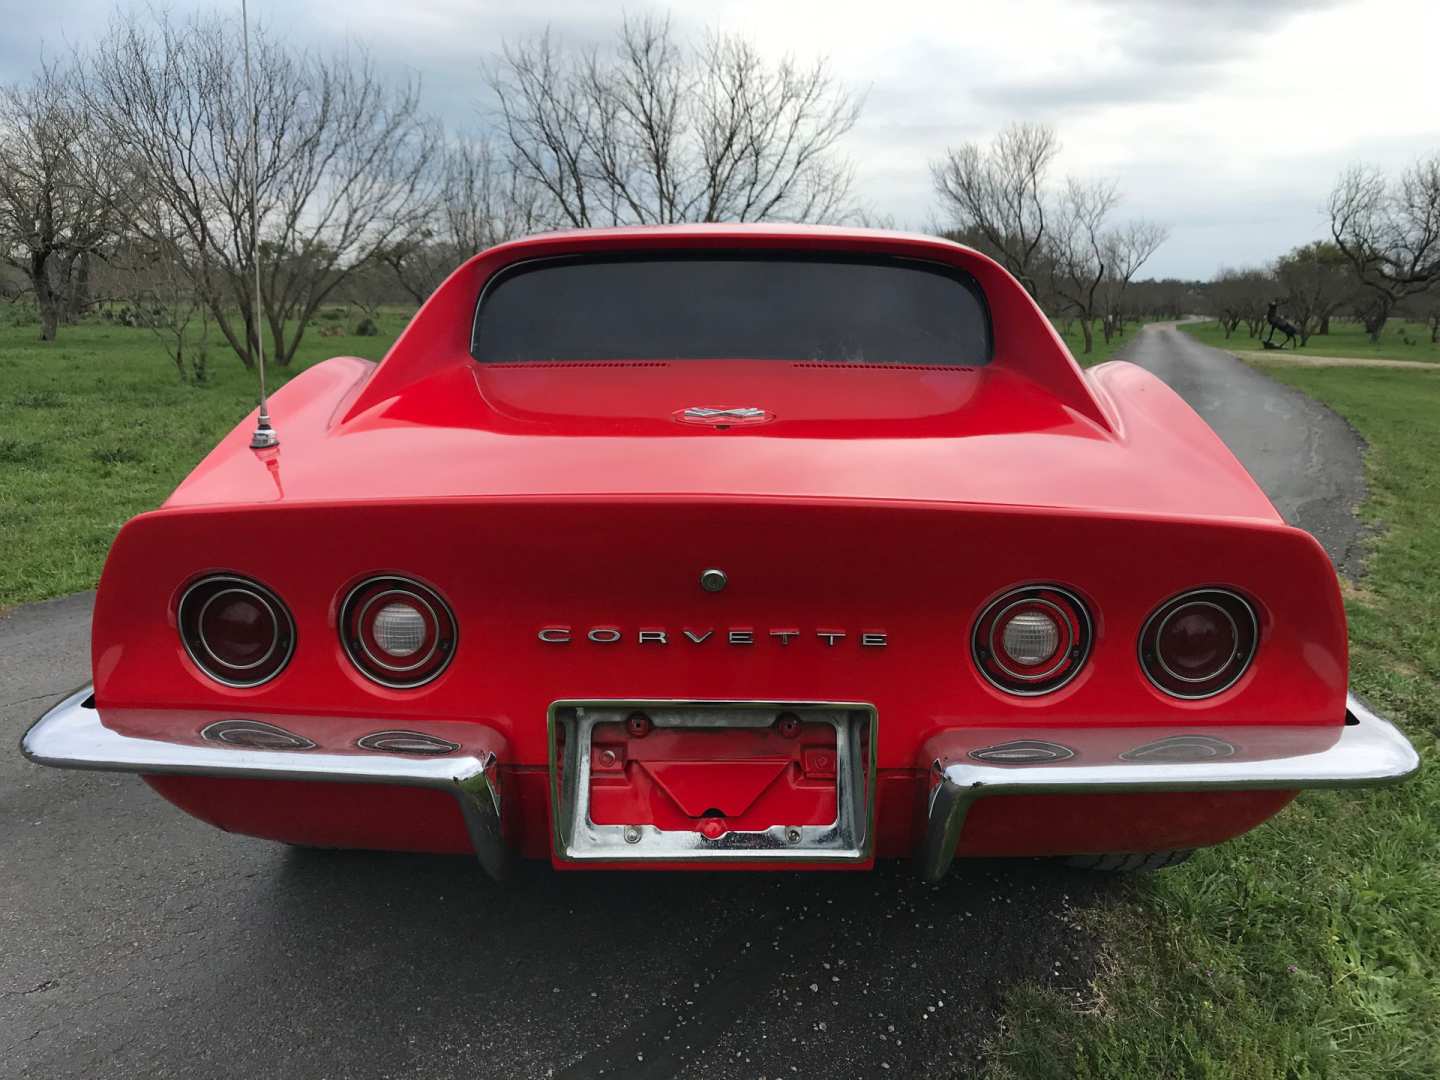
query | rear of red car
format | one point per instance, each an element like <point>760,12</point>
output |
<point>618,587</point>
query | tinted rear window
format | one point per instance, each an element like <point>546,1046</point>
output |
<point>722,307</point>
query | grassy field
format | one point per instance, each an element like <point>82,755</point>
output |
<point>96,427</point>
<point>1400,341</point>
<point>1310,947</point>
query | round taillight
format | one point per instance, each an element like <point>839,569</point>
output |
<point>1199,643</point>
<point>1032,640</point>
<point>235,630</point>
<point>397,632</point>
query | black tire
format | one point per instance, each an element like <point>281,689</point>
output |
<point>1124,863</point>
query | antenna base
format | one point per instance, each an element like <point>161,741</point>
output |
<point>264,438</point>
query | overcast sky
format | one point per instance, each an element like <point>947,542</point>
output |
<point>1225,119</point>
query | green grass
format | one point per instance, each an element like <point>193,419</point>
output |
<point>1400,341</point>
<point>1310,947</point>
<point>96,427</point>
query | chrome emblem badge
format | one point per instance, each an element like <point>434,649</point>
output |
<point>739,416</point>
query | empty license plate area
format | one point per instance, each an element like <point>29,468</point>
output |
<point>660,780</point>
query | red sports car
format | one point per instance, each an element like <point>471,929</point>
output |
<point>725,546</point>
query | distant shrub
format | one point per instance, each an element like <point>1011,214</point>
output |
<point>366,328</point>
<point>332,331</point>
<point>334,314</point>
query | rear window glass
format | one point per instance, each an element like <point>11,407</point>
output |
<point>741,307</point>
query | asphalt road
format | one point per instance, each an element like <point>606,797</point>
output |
<point>135,942</point>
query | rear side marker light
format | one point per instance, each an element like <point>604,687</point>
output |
<point>1023,752</point>
<point>1198,644</point>
<point>397,632</point>
<point>406,742</point>
<point>254,735</point>
<point>1181,748</point>
<point>1032,640</point>
<point>235,630</point>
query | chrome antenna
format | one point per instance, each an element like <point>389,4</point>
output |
<point>265,435</point>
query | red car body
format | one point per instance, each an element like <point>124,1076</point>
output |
<point>864,516</point>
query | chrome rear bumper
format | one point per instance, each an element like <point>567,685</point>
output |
<point>1367,750</point>
<point>70,736</point>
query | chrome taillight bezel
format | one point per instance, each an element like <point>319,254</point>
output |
<point>1069,661</point>
<point>1244,619</point>
<point>189,622</point>
<point>362,597</point>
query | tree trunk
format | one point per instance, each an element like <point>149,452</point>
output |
<point>1089,332</point>
<point>45,298</point>
<point>1375,320</point>
<point>1324,324</point>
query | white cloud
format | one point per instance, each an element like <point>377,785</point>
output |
<point>1226,118</point>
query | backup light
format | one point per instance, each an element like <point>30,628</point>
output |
<point>1032,640</point>
<point>399,629</point>
<point>397,632</point>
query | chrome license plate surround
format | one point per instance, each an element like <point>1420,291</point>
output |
<point>576,838</point>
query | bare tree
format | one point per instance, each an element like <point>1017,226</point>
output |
<point>656,131</point>
<point>343,163</point>
<point>999,193</point>
<point>1237,296</point>
<point>59,177</point>
<point>1078,247</point>
<point>479,202</point>
<point>1091,263</point>
<point>148,272</point>
<point>1390,232</point>
<point>1317,281</point>
<point>1126,250</point>
<point>1430,309</point>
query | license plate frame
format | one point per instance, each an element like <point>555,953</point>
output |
<point>576,838</point>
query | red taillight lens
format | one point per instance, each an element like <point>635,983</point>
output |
<point>1199,643</point>
<point>397,632</point>
<point>237,631</point>
<point>1032,640</point>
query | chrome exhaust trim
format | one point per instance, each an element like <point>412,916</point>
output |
<point>70,736</point>
<point>1367,750</point>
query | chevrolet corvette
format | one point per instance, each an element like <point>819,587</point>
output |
<point>751,547</point>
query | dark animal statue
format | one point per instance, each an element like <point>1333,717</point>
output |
<point>1284,325</point>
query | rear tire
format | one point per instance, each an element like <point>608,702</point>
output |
<point>1123,863</point>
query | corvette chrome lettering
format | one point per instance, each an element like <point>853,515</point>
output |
<point>739,636</point>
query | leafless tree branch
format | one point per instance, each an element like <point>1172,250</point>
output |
<point>344,171</point>
<point>654,131</point>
